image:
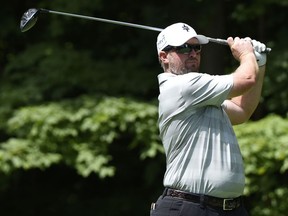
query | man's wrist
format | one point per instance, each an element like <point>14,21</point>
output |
<point>247,57</point>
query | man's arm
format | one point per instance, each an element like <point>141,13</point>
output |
<point>242,105</point>
<point>239,109</point>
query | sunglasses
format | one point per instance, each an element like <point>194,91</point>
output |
<point>184,49</point>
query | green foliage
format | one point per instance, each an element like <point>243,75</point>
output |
<point>78,133</point>
<point>275,89</point>
<point>264,146</point>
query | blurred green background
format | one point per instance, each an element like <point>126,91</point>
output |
<point>78,104</point>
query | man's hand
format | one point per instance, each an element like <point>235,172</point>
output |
<point>240,48</point>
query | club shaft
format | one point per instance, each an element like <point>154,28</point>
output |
<point>103,20</point>
<point>217,40</point>
<point>213,40</point>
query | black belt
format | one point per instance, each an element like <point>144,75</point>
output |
<point>225,204</point>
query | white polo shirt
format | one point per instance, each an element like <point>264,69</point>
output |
<point>202,151</point>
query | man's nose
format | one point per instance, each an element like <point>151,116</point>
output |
<point>193,53</point>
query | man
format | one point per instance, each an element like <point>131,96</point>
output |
<point>204,173</point>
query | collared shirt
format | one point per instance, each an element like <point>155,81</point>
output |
<point>202,151</point>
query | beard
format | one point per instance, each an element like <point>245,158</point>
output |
<point>190,65</point>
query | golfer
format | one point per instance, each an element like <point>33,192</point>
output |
<point>204,171</point>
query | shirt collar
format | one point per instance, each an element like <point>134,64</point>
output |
<point>164,76</point>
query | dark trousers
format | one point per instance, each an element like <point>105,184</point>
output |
<point>173,206</point>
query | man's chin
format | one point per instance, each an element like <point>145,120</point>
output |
<point>192,67</point>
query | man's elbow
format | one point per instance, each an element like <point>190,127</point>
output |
<point>241,118</point>
<point>242,85</point>
<point>253,80</point>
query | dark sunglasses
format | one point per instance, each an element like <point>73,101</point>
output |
<point>184,49</point>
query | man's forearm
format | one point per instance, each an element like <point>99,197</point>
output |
<point>249,101</point>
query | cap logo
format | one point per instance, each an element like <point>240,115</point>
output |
<point>185,28</point>
<point>161,41</point>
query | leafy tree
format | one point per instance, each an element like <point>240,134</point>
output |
<point>78,133</point>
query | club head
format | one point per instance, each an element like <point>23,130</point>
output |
<point>29,19</point>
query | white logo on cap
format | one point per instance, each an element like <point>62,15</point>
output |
<point>161,42</point>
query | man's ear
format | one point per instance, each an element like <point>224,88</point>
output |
<point>163,57</point>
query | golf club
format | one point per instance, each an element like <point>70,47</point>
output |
<point>30,17</point>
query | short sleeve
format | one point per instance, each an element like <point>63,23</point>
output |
<point>204,89</point>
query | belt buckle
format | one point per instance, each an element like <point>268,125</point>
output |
<point>226,205</point>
